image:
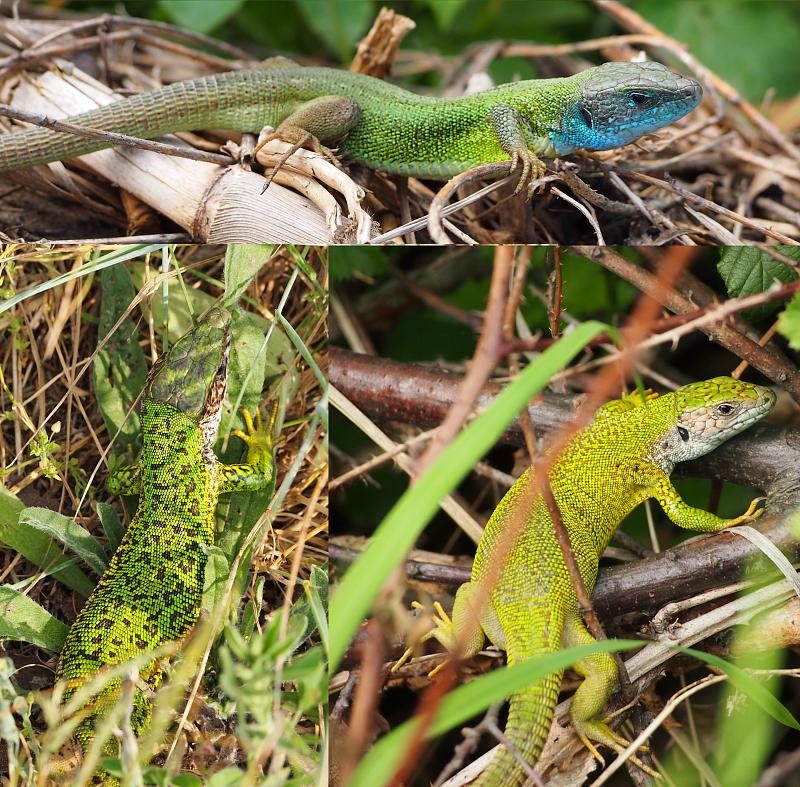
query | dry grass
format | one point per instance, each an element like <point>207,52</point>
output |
<point>47,343</point>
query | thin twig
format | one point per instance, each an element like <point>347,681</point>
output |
<point>113,138</point>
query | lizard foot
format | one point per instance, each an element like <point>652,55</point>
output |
<point>532,169</point>
<point>753,512</point>
<point>442,630</point>
<point>601,733</point>
<point>256,434</point>
<point>297,138</point>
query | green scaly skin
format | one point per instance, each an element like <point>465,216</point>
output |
<point>151,592</point>
<point>388,128</point>
<point>607,469</point>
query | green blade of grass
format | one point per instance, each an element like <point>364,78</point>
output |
<point>382,760</point>
<point>749,686</point>
<point>134,251</point>
<point>403,524</point>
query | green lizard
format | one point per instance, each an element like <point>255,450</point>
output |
<point>608,468</point>
<point>150,594</point>
<point>388,128</point>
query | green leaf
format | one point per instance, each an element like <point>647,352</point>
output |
<point>200,15</point>
<point>446,11</point>
<point>119,368</point>
<point>747,270</point>
<point>369,263</point>
<point>313,604</point>
<point>227,777</point>
<point>789,322</point>
<point>176,307</point>
<point>37,546</point>
<point>316,591</point>
<point>243,261</point>
<point>403,524</point>
<point>24,620</point>
<point>252,608</point>
<point>69,533</point>
<point>339,23</point>
<point>113,765</point>
<point>112,527</point>
<point>216,577</point>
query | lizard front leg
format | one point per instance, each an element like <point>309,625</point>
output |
<point>257,473</point>
<point>517,138</point>
<point>659,486</point>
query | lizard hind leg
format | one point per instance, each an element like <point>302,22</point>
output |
<point>324,119</point>
<point>321,120</point>
<point>600,675</point>
<point>627,402</point>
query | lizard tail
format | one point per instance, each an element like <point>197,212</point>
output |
<point>240,101</point>
<point>529,719</point>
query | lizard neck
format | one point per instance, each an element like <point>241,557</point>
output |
<point>592,482</point>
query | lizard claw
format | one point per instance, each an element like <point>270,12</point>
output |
<point>753,512</point>
<point>601,733</point>
<point>256,433</point>
<point>442,628</point>
<point>532,169</point>
<point>592,749</point>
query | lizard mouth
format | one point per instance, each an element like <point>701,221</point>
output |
<point>766,399</point>
<point>689,94</point>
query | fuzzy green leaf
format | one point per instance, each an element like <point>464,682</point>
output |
<point>22,619</point>
<point>38,547</point>
<point>69,533</point>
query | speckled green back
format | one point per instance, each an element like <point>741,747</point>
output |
<point>151,591</point>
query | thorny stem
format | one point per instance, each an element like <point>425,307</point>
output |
<point>711,321</point>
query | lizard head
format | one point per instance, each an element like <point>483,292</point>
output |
<point>620,102</point>
<point>193,374</point>
<point>710,412</point>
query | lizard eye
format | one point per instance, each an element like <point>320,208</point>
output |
<point>640,100</point>
<point>587,117</point>
<point>725,408</point>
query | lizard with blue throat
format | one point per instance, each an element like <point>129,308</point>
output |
<point>387,128</point>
